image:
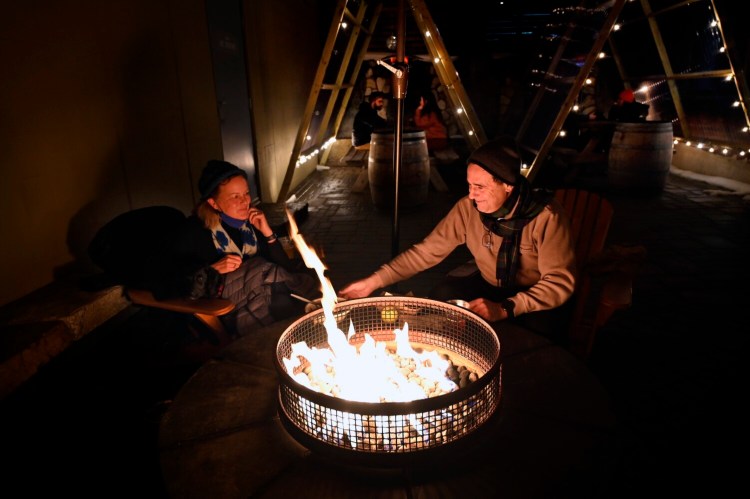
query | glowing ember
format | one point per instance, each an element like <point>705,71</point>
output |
<point>373,372</point>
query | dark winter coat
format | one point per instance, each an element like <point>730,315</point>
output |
<point>366,121</point>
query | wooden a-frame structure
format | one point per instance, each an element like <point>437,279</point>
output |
<point>333,96</point>
<point>342,68</point>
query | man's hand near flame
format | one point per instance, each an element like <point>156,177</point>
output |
<point>360,289</point>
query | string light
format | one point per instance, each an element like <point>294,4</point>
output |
<point>304,158</point>
<point>717,32</point>
<point>713,148</point>
<point>730,77</point>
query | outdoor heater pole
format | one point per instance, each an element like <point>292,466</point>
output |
<point>400,71</point>
<point>400,77</point>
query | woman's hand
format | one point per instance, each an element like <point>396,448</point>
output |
<point>359,289</point>
<point>488,310</point>
<point>228,263</point>
<point>258,220</point>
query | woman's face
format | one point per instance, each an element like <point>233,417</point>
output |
<point>487,193</point>
<point>233,198</point>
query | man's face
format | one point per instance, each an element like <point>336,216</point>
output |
<point>487,193</point>
<point>378,103</point>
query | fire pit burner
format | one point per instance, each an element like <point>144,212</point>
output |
<point>389,432</point>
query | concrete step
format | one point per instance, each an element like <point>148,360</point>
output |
<point>41,325</point>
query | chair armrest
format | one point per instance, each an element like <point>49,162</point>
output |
<point>616,294</point>
<point>205,306</point>
<point>616,266</point>
<point>617,258</point>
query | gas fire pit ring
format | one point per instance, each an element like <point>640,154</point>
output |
<point>394,433</point>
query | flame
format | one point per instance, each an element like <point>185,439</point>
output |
<point>312,261</point>
<point>367,373</point>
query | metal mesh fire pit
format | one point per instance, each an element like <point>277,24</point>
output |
<point>389,433</point>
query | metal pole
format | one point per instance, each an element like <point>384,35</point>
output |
<point>400,79</point>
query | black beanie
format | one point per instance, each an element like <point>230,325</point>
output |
<point>214,173</point>
<point>500,158</point>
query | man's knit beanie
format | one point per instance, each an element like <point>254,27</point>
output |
<point>500,158</point>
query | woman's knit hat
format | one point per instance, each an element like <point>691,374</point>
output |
<point>500,158</point>
<point>214,173</point>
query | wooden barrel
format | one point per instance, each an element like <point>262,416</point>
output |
<point>640,156</point>
<point>414,178</point>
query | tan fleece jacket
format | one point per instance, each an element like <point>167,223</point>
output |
<point>547,262</point>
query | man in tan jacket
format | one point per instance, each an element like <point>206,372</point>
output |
<point>519,237</point>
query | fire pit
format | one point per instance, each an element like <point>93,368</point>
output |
<point>389,430</point>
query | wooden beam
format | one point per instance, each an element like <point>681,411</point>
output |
<point>312,99</point>
<point>665,62</point>
<point>575,89</point>
<point>446,71</point>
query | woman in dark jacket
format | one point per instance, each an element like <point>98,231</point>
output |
<point>227,238</point>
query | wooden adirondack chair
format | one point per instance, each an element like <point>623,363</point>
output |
<point>604,285</point>
<point>206,310</point>
<point>125,249</point>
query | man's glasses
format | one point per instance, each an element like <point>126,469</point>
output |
<point>487,239</point>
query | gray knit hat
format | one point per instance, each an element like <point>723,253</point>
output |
<point>500,158</point>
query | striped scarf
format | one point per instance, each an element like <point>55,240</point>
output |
<point>529,203</point>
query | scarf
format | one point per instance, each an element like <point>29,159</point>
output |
<point>528,204</point>
<point>225,244</point>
